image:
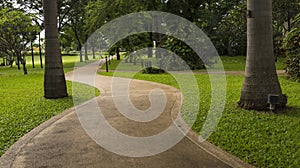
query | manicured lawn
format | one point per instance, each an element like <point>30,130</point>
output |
<point>259,138</point>
<point>68,61</point>
<point>236,63</point>
<point>22,105</point>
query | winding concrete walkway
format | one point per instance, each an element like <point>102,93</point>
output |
<point>64,142</point>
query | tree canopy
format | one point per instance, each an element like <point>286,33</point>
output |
<point>224,21</point>
<point>16,32</point>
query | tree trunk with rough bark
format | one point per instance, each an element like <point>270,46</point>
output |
<point>260,75</point>
<point>54,78</point>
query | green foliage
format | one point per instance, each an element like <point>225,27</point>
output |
<point>206,14</point>
<point>222,20</point>
<point>6,4</point>
<point>232,32</point>
<point>16,32</point>
<point>283,13</point>
<point>110,9</point>
<point>182,50</point>
<point>291,47</point>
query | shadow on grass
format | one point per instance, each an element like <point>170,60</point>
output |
<point>291,111</point>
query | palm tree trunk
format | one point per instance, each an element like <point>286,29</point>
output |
<point>260,75</point>
<point>54,78</point>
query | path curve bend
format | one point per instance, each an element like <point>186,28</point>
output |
<point>63,142</point>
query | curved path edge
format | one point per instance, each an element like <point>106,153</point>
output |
<point>8,158</point>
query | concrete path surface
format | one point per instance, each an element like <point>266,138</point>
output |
<point>74,139</point>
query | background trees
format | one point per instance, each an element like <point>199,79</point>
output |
<point>214,17</point>
<point>16,32</point>
<point>224,21</point>
<point>283,13</point>
<point>291,48</point>
<point>232,36</point>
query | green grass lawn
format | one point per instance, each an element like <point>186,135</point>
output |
<point>238,63</point>
<point>22,105</point>
<point>68,61</point>
<point>230,63</point>
<point>258,138</point>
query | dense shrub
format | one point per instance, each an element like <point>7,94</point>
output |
<point>152,70</point>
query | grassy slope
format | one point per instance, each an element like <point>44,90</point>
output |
<point>22,105</point>
<point>262,139</point>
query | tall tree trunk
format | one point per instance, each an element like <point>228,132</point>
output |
<point>18,63</point>
<point>78,42</point>
<point>260,75</point>
<point>158,39</point>
<point>118,53</point>
<point>32,54</point>
<point>10,61</point>
<point>24,69</point>
<point>100,52</point>
<point>23,62</point>
<point>86,56</point>
<point>80,52</point>
<point>40,51</point>
<point>150,45</point>
<point>93,51</point>
<point>54,78</point>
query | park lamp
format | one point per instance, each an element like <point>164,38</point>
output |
<point>273,100</point>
